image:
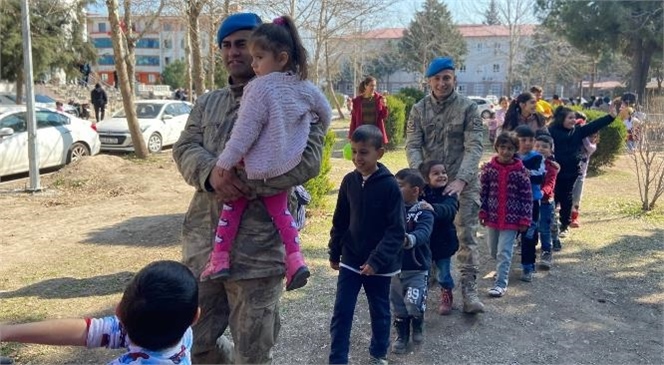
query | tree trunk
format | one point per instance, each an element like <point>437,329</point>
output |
<point>129,43</point>
<point>20,83</point>
<point>641,58</point>
<point>330,87</point>
<point>140,148</point>
<point>593,74</point>
<point>197,74</point>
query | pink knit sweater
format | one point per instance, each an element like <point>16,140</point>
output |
<point>272,128</point>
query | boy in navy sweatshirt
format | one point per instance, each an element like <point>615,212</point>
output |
<point>534,163</point>
<point>368,230</point>
<point>408,293</point>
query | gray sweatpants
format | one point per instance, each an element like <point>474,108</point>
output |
<point>408,294</point>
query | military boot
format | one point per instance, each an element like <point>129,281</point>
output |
<point>400,345</point>
<point>418,330</point>
<point>471,302</point>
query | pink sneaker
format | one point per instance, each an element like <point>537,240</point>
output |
<point>218,266</point>
<point>297,271</point>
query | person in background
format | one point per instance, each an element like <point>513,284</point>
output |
<point>589,147</point>
<point>544,145</point>
<point>522,111</point>
<point>493,125</point>
<point>59,106</point>
<point>555,101</point>
<point>99,100</point>
<point>543,107</point>
<point>368,108</point>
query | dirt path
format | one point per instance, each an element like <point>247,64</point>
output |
<point>70,251</point>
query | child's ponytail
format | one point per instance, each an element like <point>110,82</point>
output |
<point>282,36</point>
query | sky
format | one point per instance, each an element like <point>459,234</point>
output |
<point>400,15</point>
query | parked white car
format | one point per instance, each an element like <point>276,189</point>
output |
<point>484,106</point>
<point>41,101</point>
<point>161,122</point>
<point>61,139</point>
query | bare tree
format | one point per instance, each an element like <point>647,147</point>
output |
<point>123,69</point>
<point>648,156</point>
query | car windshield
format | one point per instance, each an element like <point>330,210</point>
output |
<point>143,111</point>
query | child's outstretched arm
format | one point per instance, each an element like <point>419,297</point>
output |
<point>58,332</point>
<point>340,224</point>
<point>446,210</point>
<point>421,234</point>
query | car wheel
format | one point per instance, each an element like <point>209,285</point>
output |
<point>154,143</point>
<point>77,151</point>
<point>486,114</point>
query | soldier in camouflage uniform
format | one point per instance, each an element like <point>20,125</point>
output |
<point>248,301</point>
<point>447,126</point>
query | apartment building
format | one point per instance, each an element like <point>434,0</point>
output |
<point>158,47</point>
<point>483,71</point>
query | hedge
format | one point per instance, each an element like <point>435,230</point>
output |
<point>319,186</point>
<point>396,121</point>
<point>611,141</point>
<point>410,96</point>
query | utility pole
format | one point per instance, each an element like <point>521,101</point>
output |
<point>33,152</point>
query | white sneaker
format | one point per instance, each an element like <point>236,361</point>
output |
<point>497,292</point>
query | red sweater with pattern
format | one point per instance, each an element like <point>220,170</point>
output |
<point>549,184</point>
<point>506,195</point>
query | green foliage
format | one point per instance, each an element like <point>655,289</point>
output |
<point>385,63</point>
<point>491,16</point>
<point>396,121</point>
<point>319,186</point>
<point>175,74</point>
<point>632,27</point>
<point>432,33</point>
<point>410,96</point>
<point>57,37</point>
<point>611,141</point>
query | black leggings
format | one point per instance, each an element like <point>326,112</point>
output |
<point>99,109</point>
<point>563,196</point>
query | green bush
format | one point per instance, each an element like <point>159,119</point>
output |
<point>319,186</point>
<point>396,121</point>
<point>410,96</point>
<point>611,141</point>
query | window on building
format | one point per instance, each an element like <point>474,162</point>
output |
<point>152,78</point>
<point>496,45</point>
<point>147,43</point>
<point>168,27</point>
<point>147,60</point>
<point>106,60</point>
<point>102,27</point>
<point>496,89</point>
<point>168,44</point>
<point>104,76</point>
<point>461,89</point>
<point>478,89</point>
<point>479,46</point>
<point>496,67</point>
<point>167,61</point>
<point>102,42</point>
<point>462,68</point>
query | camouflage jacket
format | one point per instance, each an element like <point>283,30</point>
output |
<point>257,251</point>
<point>449,130</point>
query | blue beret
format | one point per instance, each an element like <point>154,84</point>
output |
<point>439,64</point>
<point>235,22</point>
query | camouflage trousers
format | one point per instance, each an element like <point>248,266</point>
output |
<point>251,309</point>
<point>467,222</point>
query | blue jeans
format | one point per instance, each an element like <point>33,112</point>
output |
<point>377,289</point>
<point>501,246</point>
<point>545,221</point>
<point>444,275</point>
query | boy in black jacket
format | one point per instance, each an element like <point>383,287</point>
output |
<point>368,230</point>
<point>408,293</point>
<point>444,242</point>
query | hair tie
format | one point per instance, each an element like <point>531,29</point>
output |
<point>279,21</point>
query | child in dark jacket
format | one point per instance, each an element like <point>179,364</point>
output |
<point>368,230</point>
<point>534,163</point>
<point>544,145</point>
<point>506,205</point>
<point>444,242</point>
<point>568,139</point>
<point>408,293</point>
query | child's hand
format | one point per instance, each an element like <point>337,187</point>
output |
<point>426,206</point>
<point>523,228</point>
<point>367,270</point>
<point>334,265</point>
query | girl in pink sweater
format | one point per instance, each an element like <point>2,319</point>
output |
<point>268,139</point>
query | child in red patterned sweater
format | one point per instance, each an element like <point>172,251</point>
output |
<point>506,205</point>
